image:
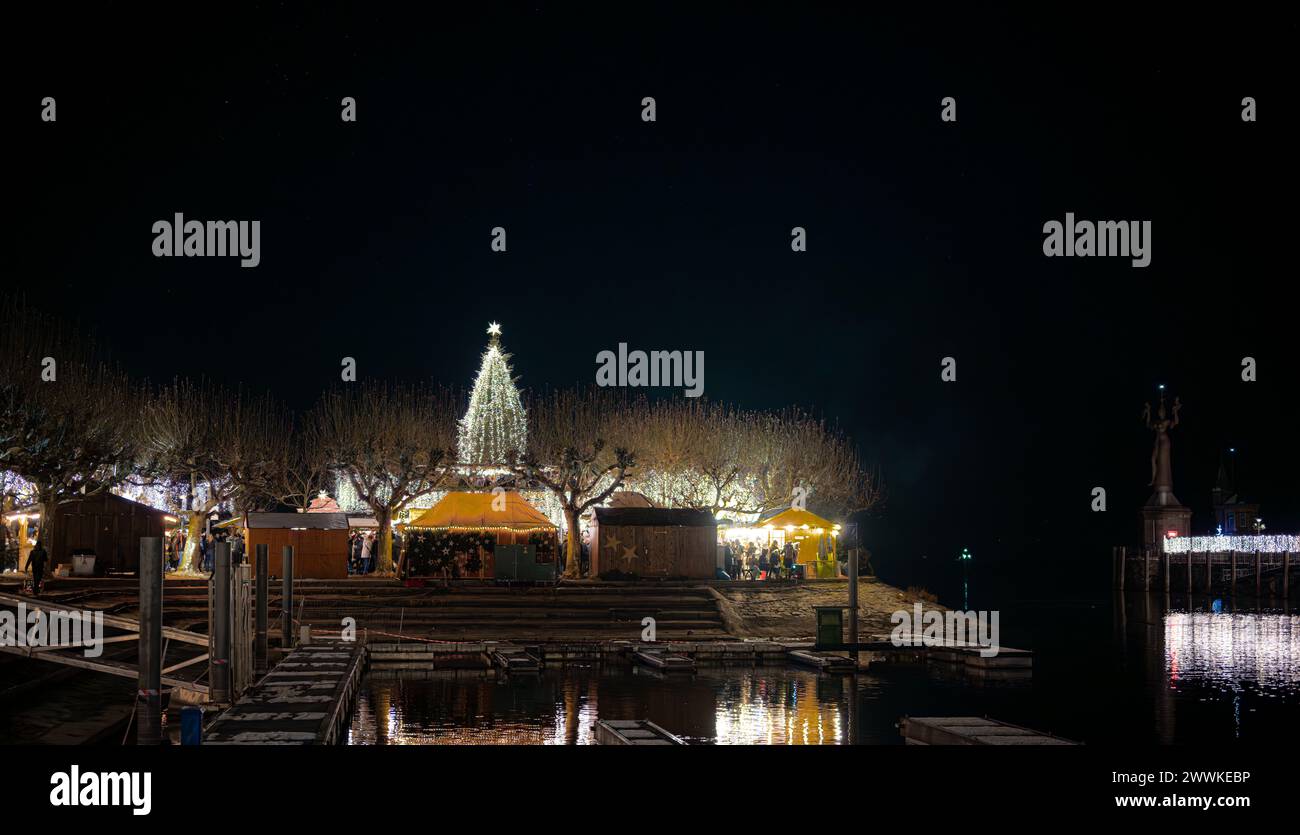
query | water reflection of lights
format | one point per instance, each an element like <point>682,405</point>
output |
<point>778,707</point>
<point>758,714</point>
<point>1233,650</point>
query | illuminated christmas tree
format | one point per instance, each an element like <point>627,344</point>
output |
<point>495,424</point>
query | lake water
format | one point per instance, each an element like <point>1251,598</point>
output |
<point>1104,674</point>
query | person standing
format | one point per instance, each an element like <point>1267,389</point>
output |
<point>366,546</point>
<point>36,561</point>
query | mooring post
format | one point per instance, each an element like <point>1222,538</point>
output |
<point>148,698</point>
<point>853,607</point>
<point>286,598</point>
<point>220,666</point>
<point>263,592</point>
<point>1286,574</point>
<point>1233,588</point>
<point>1258,587</point>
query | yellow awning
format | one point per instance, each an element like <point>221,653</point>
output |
<point>474,510</point>
<point>797,518</point>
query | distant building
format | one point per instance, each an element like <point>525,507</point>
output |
<point>1232,515</point>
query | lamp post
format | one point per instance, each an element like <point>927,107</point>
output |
<point>965,558</point>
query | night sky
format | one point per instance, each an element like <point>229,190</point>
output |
<point>924,238</point>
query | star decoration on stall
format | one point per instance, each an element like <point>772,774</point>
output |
<point>613,543</point>
<point>629,553</point>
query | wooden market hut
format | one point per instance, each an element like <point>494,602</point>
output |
<point>319,540</point>
<point>654,542</point>
<point>814,535</point>
<point>105,525</point>
<point>515,527</point>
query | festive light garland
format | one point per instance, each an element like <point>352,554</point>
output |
<point>1267,544</point>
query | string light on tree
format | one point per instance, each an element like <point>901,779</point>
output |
<point>495,425</point>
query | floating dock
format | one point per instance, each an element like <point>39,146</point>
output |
<point>664,662</point>
<point>971,730</point>
<point>633,732</point>
<point>515,660</point>
<point>826,662</point>
<point>304,700</point>
<point>1007,658</point>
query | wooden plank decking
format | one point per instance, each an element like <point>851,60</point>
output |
<point>304,700</point>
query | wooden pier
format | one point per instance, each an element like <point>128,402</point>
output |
<point>633,732</point>
<point>303,700</point>
<point>1251,573</point>
<point>72,656</point>
<point>971,730</point>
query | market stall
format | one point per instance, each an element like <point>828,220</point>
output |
<point>814,537</point>
<point>319,540</point>
<point>483,535</point>
<point>653,542</point>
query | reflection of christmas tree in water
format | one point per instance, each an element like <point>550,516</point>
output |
<point>495,424</point>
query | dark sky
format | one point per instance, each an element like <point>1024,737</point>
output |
<point>925,238</point>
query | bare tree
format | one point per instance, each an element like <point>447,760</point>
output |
<point>65,414</point>
<point>302,469</point>
<point>717,458</point>
<point>393,444</point>
<point>579,448</point>
<point>800,455</point>
<point>219,446</point>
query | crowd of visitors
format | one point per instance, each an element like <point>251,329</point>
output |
<point>766,562</point>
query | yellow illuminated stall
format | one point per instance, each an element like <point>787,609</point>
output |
<point>814,536</point>
<point>470,527</point>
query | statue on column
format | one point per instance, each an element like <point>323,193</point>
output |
<point>1162,474</point>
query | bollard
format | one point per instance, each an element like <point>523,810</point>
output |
<point>192,725</point>
<point>220,667</point>
<point>286,598</point>
<point>263,592</point>
<point>148,729</point>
